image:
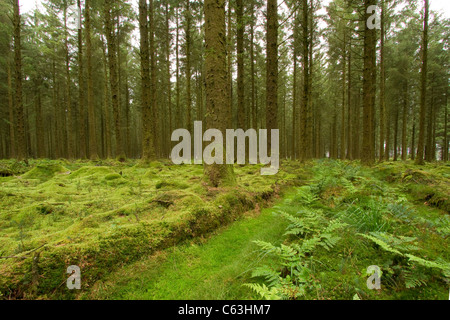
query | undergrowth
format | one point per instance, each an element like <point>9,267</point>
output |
<point>350,217</point>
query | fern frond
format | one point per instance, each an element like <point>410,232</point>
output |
<point>264,291</point>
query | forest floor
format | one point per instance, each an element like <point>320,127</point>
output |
<point>156,231</point>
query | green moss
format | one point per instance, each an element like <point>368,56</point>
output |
<point>44,172</point>
<point>113,176</point>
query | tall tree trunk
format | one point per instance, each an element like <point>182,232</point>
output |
<point>396,134</point>
<point>155,124</point>
<point>349,103</point>
<point>369,78</point>
<point>344,85</point>
<point>20,123</point>
<point>106,122</point>
<point>169,75</point>
<point>429,156</point>
<point>229,62</point>
<point>81,106</point>
<point>294,107</point>
<point>272,69</point>
<point>382,88</point>
<point>12,136</point>
<point>404,122</point>
<point>240,63</point>
<point>69,128</point>
<point>113,75</point>
<point>148,148</point>
<point>93,153</point>
<point>445,146</point>
<point>252,64</point>
<point>216,84</point>
<point>413,136</point>
<point>40,145</point>
<point>423,88</point>
<point>178,119</point>
<point>188,66</point>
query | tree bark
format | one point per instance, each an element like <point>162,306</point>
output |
<point>93,153</point>
<point>272,69</point>
<point>113,75</point>
<point>369,78</point>
<point>148,148</point>
<point>423,89</point>
<point>216,84</point>
<point>21,138</point>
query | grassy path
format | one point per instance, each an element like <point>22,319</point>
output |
<point>214,269</point>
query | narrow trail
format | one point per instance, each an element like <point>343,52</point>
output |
<point>214,269</point>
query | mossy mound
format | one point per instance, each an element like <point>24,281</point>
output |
<point>44,172</point>
<point>168,184</point>
<point>94,173</point>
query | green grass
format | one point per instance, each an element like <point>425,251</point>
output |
<point>214,269</point>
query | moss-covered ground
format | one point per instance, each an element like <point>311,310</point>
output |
<point>105,214</point>
<point>157,231</point>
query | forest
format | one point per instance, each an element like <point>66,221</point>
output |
<point>351,96</point>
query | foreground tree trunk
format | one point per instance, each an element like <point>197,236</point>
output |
<point>93,153</point>
<point>113,75</point>
<point>423,89</point>
<point>12,139</point>
<point>216,84</point>
<point>147,141</point>
<point>21,142</point>
<point>369,77</point>
<point>82,126</point>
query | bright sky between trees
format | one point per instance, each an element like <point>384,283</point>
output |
<point>436,5</point>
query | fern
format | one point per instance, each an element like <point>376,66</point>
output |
<point>396,245</point>
<point>381,243</point>
<point>264,291</point>
<point>293,277</point>
<point>414,279</point>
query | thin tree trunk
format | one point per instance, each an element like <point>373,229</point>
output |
<point>423,89</point>
<point>396,134</point>
<point>148,148</point>
<point>349,104</point>
<point>12,138</point>
<point>113,75</point>
<point>69,128</point>
<point>178,119</point>
<point>240,63</point>
<point>344,85</point>
<point>21,139</point>
<point>81,106</point>
<point>93,153</point>
<point>169,82</point>
<point>229,63</point>
<point>272,69</point>
<point>188,66</point>
<point>369,78</point>
<point>252,66</point>
<point>106,126</point>
<point>404,122</point>
<point>382,88</point>
<point>154,124</point>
